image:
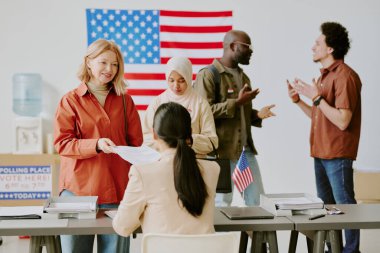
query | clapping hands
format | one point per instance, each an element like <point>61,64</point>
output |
<point>246,95</point>
<point>301,87</point>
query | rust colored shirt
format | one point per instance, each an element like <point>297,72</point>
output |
<point>79,122</point>
<point>340,87</point>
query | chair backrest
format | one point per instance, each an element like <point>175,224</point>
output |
<point>204,243</point>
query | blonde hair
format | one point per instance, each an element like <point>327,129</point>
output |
<point>94,50</point>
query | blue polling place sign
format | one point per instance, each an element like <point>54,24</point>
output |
<point>25,182</point>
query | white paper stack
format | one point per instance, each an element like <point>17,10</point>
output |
<point>298,203</point>
<point>288,204</point>
<point>77,207</point>
<point>20,212</point>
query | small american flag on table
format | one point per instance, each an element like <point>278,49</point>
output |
<point>242,175</point>
<point>149,38</point>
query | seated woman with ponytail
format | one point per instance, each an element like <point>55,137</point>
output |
<point>176,193</point>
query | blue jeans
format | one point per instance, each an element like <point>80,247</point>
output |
<point>251,194</point>
<point>335,185</point>
<point>84,243</point>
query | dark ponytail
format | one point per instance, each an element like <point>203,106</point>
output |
<point>172,124</point>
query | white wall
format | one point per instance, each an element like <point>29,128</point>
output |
<point>49,37</point>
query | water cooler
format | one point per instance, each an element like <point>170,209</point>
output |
<point>27,104</point>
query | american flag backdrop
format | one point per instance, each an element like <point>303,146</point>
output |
<point>149,38</point>
<point>242,175</point>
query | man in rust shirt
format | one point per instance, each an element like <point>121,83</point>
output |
<point>335,120</point>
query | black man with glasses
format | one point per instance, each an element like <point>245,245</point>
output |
<point>230,96</point>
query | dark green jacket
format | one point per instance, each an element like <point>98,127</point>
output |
<point>225,111</point>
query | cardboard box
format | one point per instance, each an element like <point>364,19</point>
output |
<point>28,179</point>
<point>366,185</point>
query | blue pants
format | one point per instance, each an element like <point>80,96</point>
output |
<point>111,243</point>
<point>251,194</point>
<point>335,185</point>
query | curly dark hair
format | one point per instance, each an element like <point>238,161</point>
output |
<point>336,38</point>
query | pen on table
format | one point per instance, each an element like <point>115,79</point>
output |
<point>316,216</point>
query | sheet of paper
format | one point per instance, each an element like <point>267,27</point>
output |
<point>58,223</point>
<point>20,210</point>
<point>137,155</point>
<point>111,213</point>
<point>298,203</point>
<point>71,207</point>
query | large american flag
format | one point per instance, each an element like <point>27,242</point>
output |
<point>149,38</point>
<point>242,175</point>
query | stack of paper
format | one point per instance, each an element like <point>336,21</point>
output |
<point>292,203</point>
<point>298,203</point>
<point>79,207</point>
<point>70,207</point>
<point>20,212</point>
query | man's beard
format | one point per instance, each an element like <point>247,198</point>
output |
<point>242,59</point>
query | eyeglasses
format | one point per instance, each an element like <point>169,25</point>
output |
<point>245,44</point>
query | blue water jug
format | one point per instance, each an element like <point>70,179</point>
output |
<point>27,93</point>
